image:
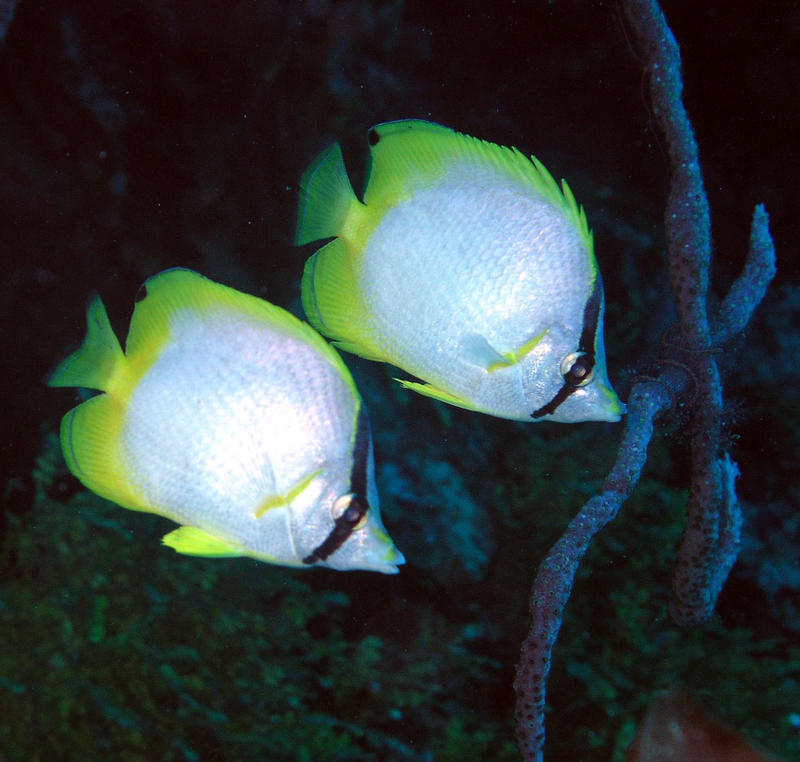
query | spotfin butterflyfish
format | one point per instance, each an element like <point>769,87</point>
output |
<point>233,418</point>
<point>467,266</point>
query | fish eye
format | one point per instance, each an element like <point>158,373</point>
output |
<point>351,510</point>
<point>577,368</point>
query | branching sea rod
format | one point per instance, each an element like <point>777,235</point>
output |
<point>687,373</point>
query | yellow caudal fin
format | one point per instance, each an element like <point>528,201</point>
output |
<point>90,440</point>
<point>333,304</point>
<point>91,432</point>
<point>192,541</point>
<point>326,198</point>
<point>98,359</point>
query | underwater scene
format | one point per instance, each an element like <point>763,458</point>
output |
<point>338,427</point>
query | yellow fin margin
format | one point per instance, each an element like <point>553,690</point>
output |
<point>163,297</point>
<point>428,390</point>
<point>90,439</point>
<point>333,303</point>
<point>410,153</point>
<point>166,295</point>
<point>192,541</point>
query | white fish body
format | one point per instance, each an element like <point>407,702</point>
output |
<point>466,266</point>
<point>234,419</point>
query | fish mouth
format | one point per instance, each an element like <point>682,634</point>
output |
<point>600,404</point>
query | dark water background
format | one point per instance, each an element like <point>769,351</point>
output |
<point>136,136</point>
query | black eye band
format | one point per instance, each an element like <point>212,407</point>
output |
<point>573,379</point>
<point>345,524</point>
<point>342,528</point>
<point>584,364</point>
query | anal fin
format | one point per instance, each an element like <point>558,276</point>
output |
<point>192,541</point>
<point>428,390</point>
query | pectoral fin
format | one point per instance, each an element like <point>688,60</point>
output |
<point>281,501</point>
<point>478,351</point>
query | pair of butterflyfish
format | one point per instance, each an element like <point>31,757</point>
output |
<point>465,265</point>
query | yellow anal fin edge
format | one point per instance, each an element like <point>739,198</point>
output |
<point>90,441</point>
<point>191,541</point>
<point>428,390</point>
<point>333,304</point>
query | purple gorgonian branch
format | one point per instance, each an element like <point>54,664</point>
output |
<point>687,372</point>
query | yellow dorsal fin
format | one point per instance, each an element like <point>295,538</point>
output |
<point>162,298</point>
<point>192,541</point>
<point>408,154</point>
<point>98,360</point>
<point>165,296</point>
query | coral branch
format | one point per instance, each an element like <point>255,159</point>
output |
<point>553,584</point>
<point>708,550</point>
<point>749,288</point>
<point>688,224</point>
<point>710,542</point>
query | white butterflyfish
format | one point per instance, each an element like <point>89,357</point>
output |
<point>467,266</point>
<point>234,419</point>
